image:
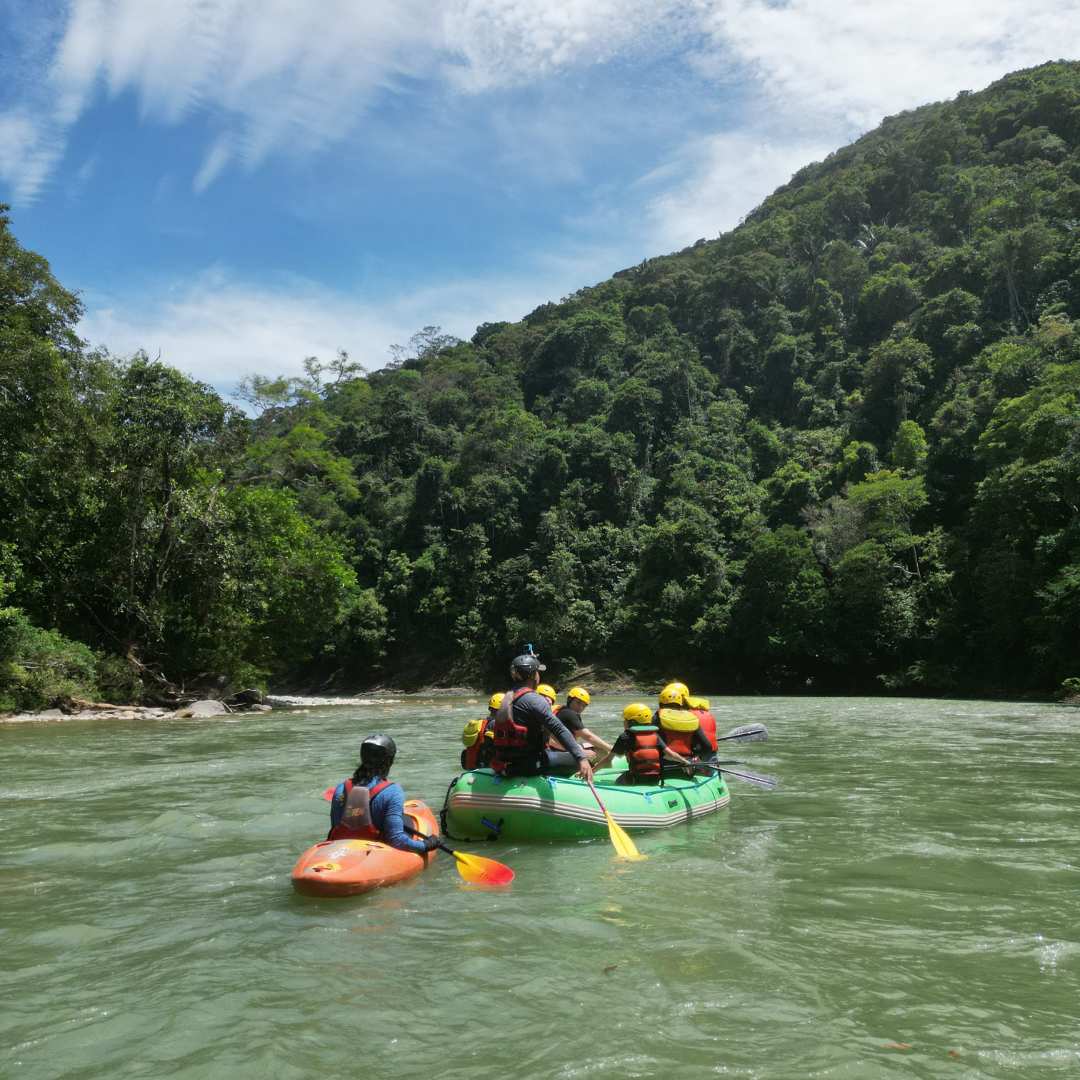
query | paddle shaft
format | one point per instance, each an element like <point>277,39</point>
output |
<point>767,782</point>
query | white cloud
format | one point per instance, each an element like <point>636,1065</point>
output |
<point>721,178</point>
<point>851,64</point>
<point>220,328</point>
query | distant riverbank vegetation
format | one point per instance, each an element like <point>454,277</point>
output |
<point>837,448</point>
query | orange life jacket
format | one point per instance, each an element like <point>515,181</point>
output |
<point>708,726</point>
<point>643,754</point>
<point>361,827</point>
<point>514,742</point>
<point>678,726</point>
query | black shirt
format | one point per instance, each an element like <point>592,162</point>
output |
<point>571,718</point>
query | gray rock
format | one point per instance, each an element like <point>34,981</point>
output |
<point>204,708</point>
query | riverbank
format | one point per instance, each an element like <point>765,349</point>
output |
<point>103,711</point>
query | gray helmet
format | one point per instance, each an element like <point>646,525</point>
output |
<point>378,751</point>
<point>527,664</point>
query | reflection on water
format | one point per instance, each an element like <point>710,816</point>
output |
<point>905,903</point>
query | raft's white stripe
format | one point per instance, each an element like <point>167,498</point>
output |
<point>466,801</point>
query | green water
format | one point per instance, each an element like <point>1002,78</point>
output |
<point>914,881</point>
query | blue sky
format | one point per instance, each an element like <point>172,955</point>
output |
<point>240,183</point>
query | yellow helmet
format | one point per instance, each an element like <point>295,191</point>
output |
<point>547,691</point>
<point>580,693</point>
<point>495,700</point>
<point>698,703</point>
<point>637,714</point>
<point>675,693</point>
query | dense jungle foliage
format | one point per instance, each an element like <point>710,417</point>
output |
<point>837,447</point>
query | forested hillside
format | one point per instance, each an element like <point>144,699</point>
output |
<point>837,448</point>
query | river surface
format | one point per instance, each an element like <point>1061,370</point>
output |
<point>906,904</point>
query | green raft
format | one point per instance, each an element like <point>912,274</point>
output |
<point>481,805</point>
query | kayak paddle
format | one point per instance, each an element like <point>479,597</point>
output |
<point>478,870</point>
<point>746,733</point>
<point>475,869</point>
<point>620,839</point>
<point>758,779</point>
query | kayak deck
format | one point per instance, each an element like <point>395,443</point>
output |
<point>351,867</point>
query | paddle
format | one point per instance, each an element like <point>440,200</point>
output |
<point>475,869</point>
<point>746,733</point>
<point>620,839</point>
<point>758,779</point>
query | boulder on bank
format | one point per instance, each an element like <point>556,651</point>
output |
<point>207,707</point>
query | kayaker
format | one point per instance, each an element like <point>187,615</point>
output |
<point>523,724</point>
<point>368,806</point>
<point>643,745</point>
<point>479,736</point>
<point>699,706</point>
<point>679,724</point>
<point>578,700</point>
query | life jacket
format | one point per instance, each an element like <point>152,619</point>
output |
<point>708,726</point>
<point>678,726</point>
<point>477,737</point>
<point>514,743</point>
<point>361,826</point>
<point>643,754</point>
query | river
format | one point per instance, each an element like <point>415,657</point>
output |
<point>906,904</point>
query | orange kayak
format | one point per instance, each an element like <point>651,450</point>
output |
<point>348,867</point>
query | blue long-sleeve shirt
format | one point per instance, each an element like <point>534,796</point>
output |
<point>387,811</point>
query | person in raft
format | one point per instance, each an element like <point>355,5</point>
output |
<point>577,701</point>
<point>699,706</point>
<point>643,745</point>
<point>523,724</point>
<point>679,725</point>
<point>479,736</point>
<point>368,806</point>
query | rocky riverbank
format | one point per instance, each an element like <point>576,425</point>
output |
<point>87,710</point>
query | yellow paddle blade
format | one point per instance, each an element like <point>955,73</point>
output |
<point>620,840</point>
<point>477,870</point>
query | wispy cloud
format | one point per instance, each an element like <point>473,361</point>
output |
<point>719,178</point>
<point>282,77</point>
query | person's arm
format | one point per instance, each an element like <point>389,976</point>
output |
<point>554,726</point>
<point>701,744</point>
<point>388,813</point>
<point>669,753</point>
<point>595,739</point>
<point>337,804</point>
<point>618,748</point>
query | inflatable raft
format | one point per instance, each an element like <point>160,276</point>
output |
<point>348,867</point>
<point>481,805</point>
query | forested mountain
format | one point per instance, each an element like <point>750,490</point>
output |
<point>837,447</point>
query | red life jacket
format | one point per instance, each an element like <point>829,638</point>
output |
<point>472,757</point>
<point>678,726</point>
<point>708,726</point>
<point>513,741</point>
<point>363,828</point>
<point>643,753</point>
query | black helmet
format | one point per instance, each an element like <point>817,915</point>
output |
<point>378,751</point>
<point>526,664</point>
